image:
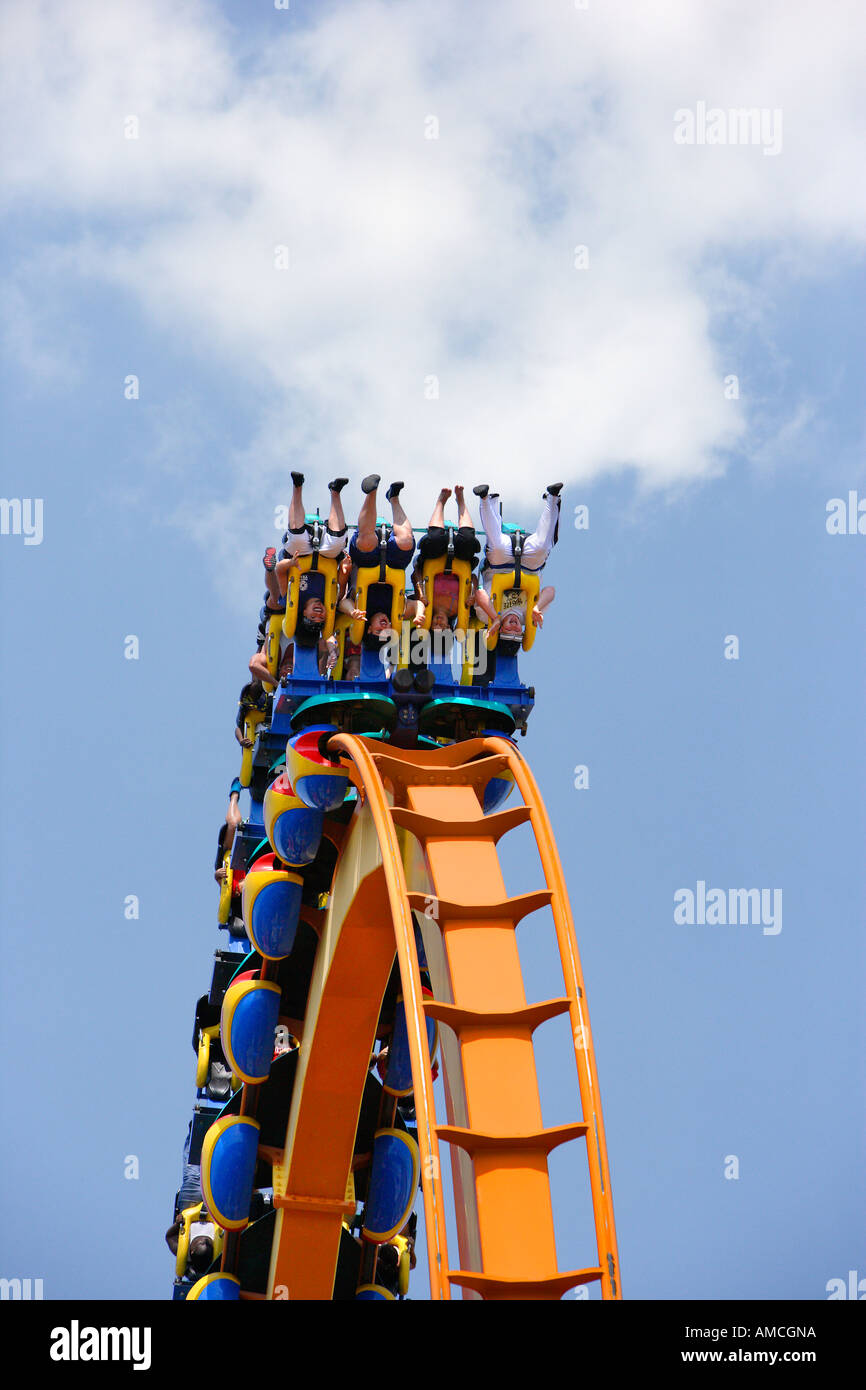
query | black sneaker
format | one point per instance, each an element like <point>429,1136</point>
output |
<point>337,485</point>
<point>371,482</point>
<point>298,479</point>
<point>394,491</point>
<point>554,489</point>
<point>481,490</point>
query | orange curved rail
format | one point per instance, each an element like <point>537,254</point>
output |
<point>590,1094</point>
<point>421,848</point>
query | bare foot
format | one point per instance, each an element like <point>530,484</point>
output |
<point>444,494</point>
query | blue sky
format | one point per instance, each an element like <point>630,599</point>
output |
<point>707,519</point>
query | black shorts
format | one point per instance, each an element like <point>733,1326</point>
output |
<point>435,544</point>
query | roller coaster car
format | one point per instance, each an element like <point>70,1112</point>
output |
<point>228,1164</point>
<point>393,1266</point>
<point>203,1116</point>
<point>368,1123</point>
<point>252,719</point>
<point>213,1074</point>
<point>225,967</point>
<point>255,1252</point>
<point>357,713</point>
<point>459,718</point>
<point>515,589</point>
<point>247,845</point>
<point>272,654</point>
<point>274,1100</point>
<point>447,564</point>
<point>391,1186</point>
<point>315,576</point>
<point>379,588</point>
<point>188,1220</point>
<point>397,1080</point>
<point>248,1020</point>
<point>293,828</point>
<point>254,1245</point>
<point>225,902</point>
<point>271,903</point>
<point>320,783</point>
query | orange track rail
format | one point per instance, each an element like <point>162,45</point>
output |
<point>498,1143</point>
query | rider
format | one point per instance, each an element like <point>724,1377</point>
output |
<point>499,555</point>
<point>446,588</point>
<point>365,543</point>
<point>298,539</point>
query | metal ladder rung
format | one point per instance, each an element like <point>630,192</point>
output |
<point>462,1020</point>
<point>516,908</point>
<point>475,1141</point>
<point>550,1288</point>
<point>491,827</point>
<point>409,774</point>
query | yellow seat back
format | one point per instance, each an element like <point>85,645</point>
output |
<point>404,1263</point>
<point>185,1222</point>
<point>328,569</point>
<point>272,649</point>
<point>368,576</point>
<point>470,648</point>
<point>224,910</point>
<point>344,622</point>
<point>463,571</point>
<point>202,1066</point>
<point>530,585</point>
<point>252,719</point>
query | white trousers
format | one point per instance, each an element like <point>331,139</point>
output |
<point>332,546</point>
<point>536,547</point>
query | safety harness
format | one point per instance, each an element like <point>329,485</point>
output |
<point>316,531</point>
<point>383,532</point>
<point>517,539</point>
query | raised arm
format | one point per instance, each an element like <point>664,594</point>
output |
<point>545,599</point>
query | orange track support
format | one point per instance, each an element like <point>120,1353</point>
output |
<point>498,1143</point>
<point>339,1033</point>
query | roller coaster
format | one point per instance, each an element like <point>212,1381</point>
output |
<point>370,948</point>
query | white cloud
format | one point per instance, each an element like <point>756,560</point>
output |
<point>453,257</point>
